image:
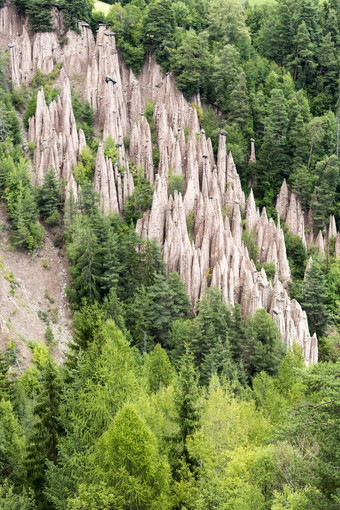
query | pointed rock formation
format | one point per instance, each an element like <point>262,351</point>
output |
<point>212,190</point>
<point>288,205</point>
<point>252,157</point>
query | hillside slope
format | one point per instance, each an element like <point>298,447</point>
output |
<point>212,253</point>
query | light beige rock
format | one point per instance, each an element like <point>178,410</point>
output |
<point>216,254</point>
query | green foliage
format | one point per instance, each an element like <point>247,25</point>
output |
<point>39,12</point>
<point>248,238</point>
<point>187,399</point>
<point>158,369</point>
<point>50,93</point>
<point>135,474</point>
<point>296,253</point>
<point>265,350</point>
<point>314,299</point>
<point>49,337</point>
<point>10,500</point>
<point>12,444</point>
<point>270,269</point>
<point>126,21</point>
<point>83,170</point>
<point>149,115</point>
<point>49,198</point>
<point>84,115</point>
<point>140,200</point>
<point>190,223</point>
<point>243,423</point>
<point>190,63</point>
<point>149,110</point>
<point>17,190</point>
<point>45,431</point>
<point>110,150</point>
<point>176,183</point>
<point>156,307</point>
<point>158,29</point>
<point>75,11</point>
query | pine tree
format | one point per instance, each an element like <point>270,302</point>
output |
<point>303,59</point>
<point>187,400</point>
<point>126,463</point>
<point>264,348</point>
<point>212,324</point>
<point>49,197</point>
<point>159,25</point>
<point>314,299</point>
<point>45,432</point>
<point>110,266</point>
<point>153,265</point>
<point>238,110</point>
<point>40,18</point>
<point>158,368</point>
<point>4,380</point>
<point>327,174</point>
<point>139,321</point>
<point>226,71</point>
<point>12,445</point>
<point>180,306</point>
<point>87,324</point>
<point>75,11</point>
<point>190,64</point>
<point>85,269</point>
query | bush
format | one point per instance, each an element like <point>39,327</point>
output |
<point>49,337</point>
<point>139,202</point>
<point>270,269</point>
<point>110,150</point>
<point>248,240</point>
<point>176,183</point>
<point>84,169</point>
<point>84,115</point>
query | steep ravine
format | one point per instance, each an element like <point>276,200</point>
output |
<point>213,253</point>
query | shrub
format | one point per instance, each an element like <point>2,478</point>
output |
<point>248,239</point>
<point>44,263</point>
<point>110,150</point>
<point>49,337</point>
<point>270,269</point>
<point>176,183</point>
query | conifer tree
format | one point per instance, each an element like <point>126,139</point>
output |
<point>45,432</point>
<point>85,269</point>
<point>187,399</point>
<point>49,197</point>
<point>264,348</point>
<point>4,380</point>
<point>159,370</point>
<point>159,25</point>
<point>126,463</point>
<point>314,298</point>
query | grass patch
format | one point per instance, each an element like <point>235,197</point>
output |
<point>101,7</point>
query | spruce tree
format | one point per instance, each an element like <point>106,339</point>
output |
<point>187,396</point>
<point>49,197</point>
<point>314,299</point>
<point>4,380</point>
<point>46,429</point>
<point>40,18</point>
<point>159,25</point>
<point>158,368</point>
<point>85,269</point>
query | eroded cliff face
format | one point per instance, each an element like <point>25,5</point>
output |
<point>300,222</point>
<point>213,252</point>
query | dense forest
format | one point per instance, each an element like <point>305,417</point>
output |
<point>157,406</point>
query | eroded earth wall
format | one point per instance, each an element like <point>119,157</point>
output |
<point>212,253</point>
